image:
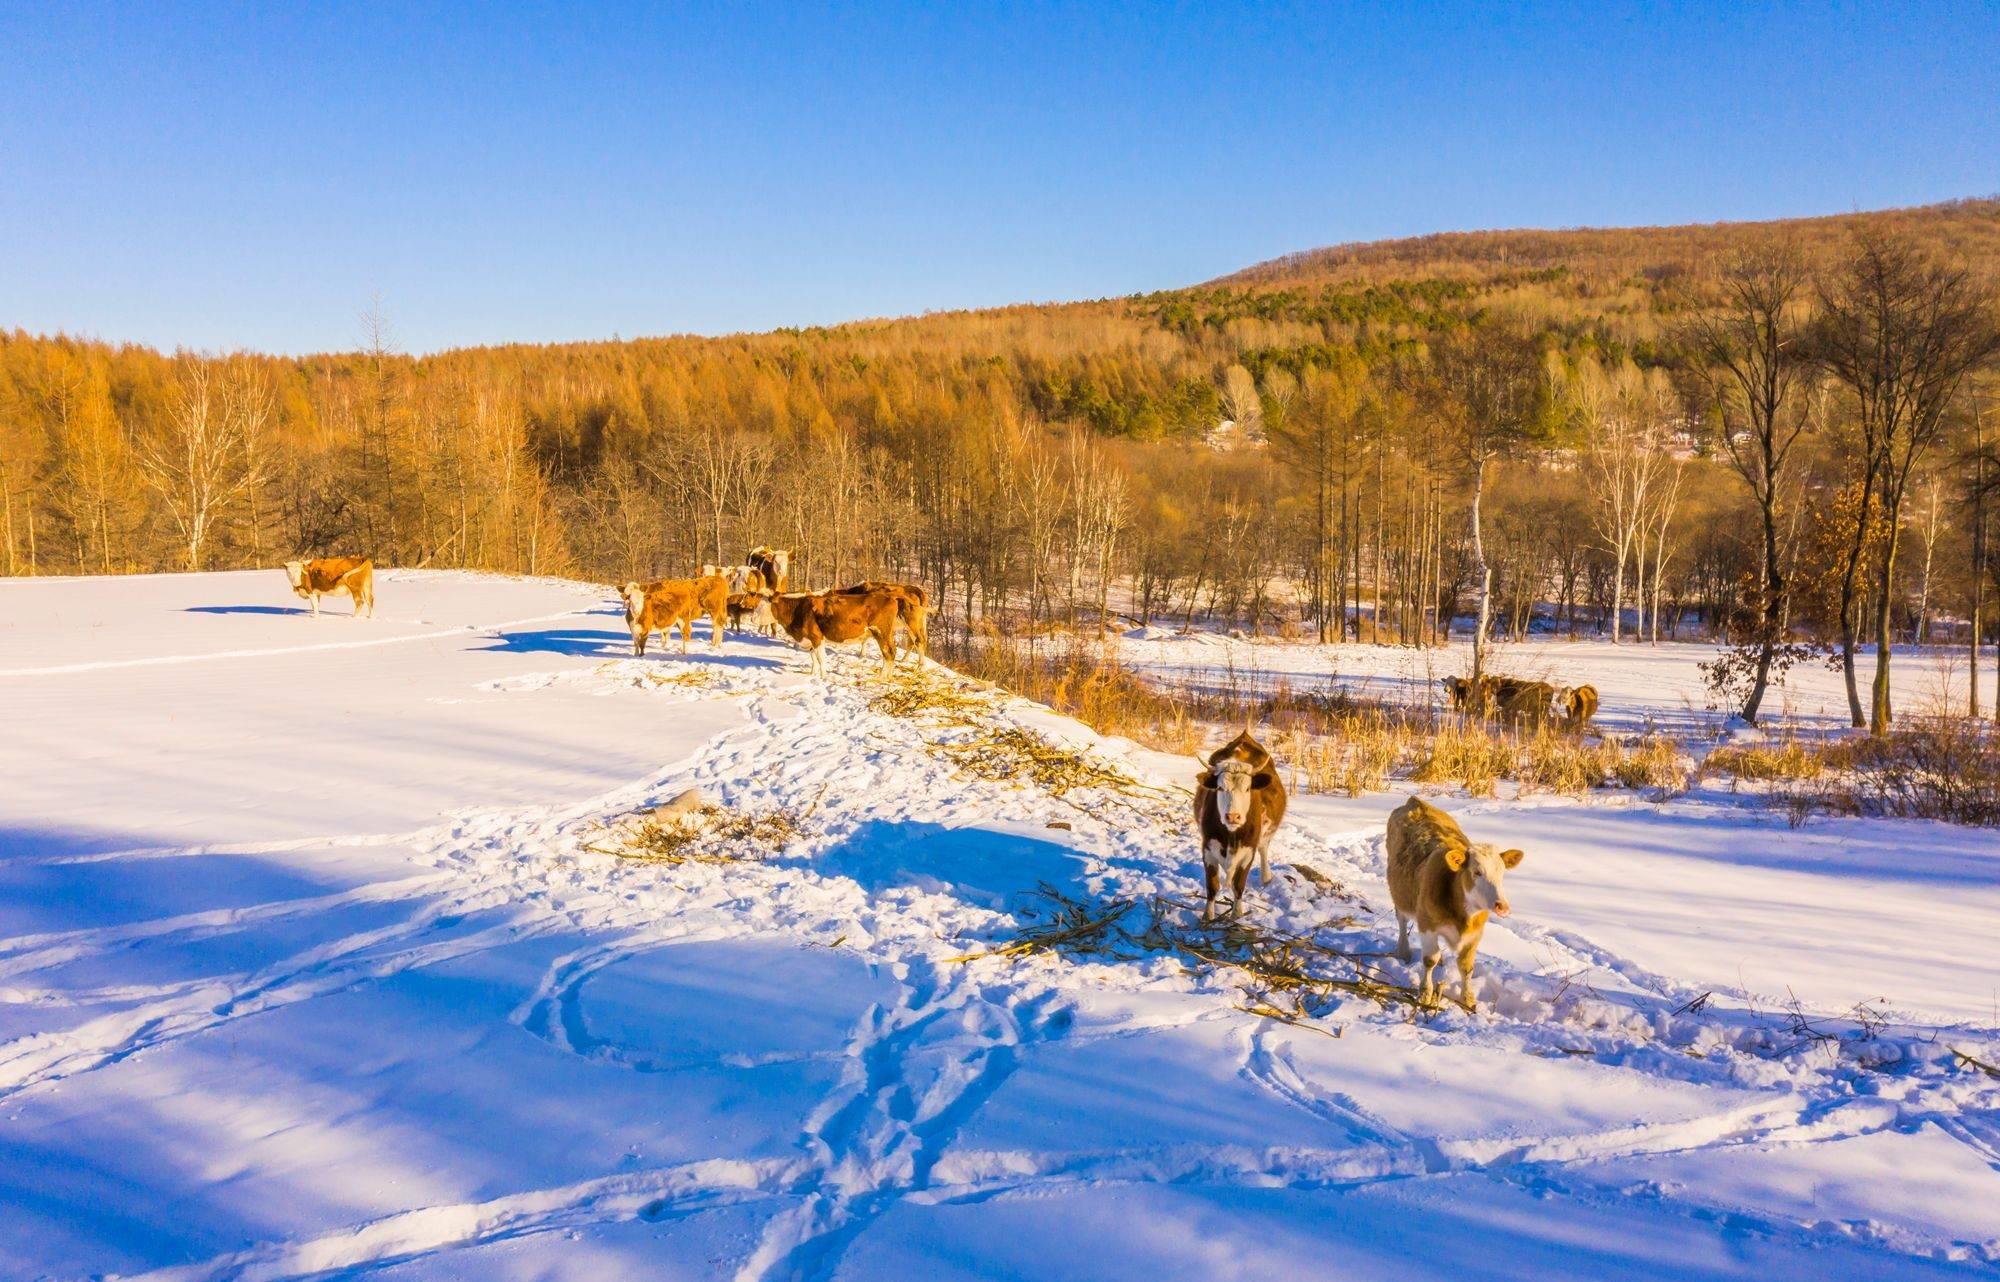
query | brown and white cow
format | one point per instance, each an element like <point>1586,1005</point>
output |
<point>1239,801</point>
<point>1578,704</point>
<point>773,567</point>
<point>665,604</point>
<point>813,619</point>
<point>913,606</point>
<point>332,575</point>
<point>1447,885</point>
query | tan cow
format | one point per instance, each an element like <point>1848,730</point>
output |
<point>1447,885</point>
<point>665,604</point>
<point>332,575</point>
<point>913,606</point>
<point>813,619</point>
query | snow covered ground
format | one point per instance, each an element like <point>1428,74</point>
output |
<point>1641,686</point>
<point>312,964</point>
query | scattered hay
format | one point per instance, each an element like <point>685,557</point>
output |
<point>916,692</point>
<point>1067,925</point>
<point>704,834</point>
<point>1011,755</point>
<point>1290,977</point>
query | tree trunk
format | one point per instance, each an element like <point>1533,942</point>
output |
<point>1482,569</point>
<point>1879,710</point>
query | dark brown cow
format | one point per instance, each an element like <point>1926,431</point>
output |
<point>1239,801</point>
<point>813,619</point>
<point>330,575</point>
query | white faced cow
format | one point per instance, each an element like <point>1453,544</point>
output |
<point>1238,804</point>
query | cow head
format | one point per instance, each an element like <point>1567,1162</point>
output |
<point>1455,689</point>
<point>1482,874</point>
<point>1235,782</point>
<point>296,572</point>
<point>635,599</point>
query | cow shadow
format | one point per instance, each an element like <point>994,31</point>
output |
<point>586,642</point>
<point>601,643</point>
<point>246,609</point>
<point>986,867</point>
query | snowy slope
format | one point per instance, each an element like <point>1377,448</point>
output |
<point>312,964</point>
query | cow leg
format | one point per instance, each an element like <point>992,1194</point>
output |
<point>314,598</point>
<point>1402,937</point>
<point>1427,985</point>
<point>715,631</point>
<point>1264,860</point>
<point>1211,871</point>
<point>888,648</point>
<point>1467,952</point>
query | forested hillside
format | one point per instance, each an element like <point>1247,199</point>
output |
<point>1051,460</point>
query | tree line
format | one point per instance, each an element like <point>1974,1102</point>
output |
<point>1785,440</point>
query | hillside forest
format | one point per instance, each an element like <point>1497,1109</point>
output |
<point>1785,436</point>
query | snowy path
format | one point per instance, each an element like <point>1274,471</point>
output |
<point>311,965</point>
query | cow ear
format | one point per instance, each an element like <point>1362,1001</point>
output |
<point>1454,858</point>
<point>1201,779</point>
<point>1512,858</point>
<point>1262,780</point>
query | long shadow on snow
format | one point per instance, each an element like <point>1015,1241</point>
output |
<point>599,643</point>
<point>990,868</point>
<point>245,609</point>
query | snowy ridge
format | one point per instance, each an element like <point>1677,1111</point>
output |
<point>787,1069</point>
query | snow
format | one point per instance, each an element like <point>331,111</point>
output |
<point>312,964</point>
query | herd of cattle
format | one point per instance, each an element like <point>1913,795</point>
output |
<point>1524,704</point>
<point>1445,883</point>
<point>754,594</point>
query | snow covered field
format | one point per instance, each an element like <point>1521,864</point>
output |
<point>1640,685</point>
<point>308,968</point>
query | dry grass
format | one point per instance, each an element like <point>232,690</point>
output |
<point>1933,767</point>
<point>1788,759</point>
<point>1011,754</point>
<point>706,834</point>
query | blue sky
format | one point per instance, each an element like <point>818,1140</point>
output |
<point>225,176</point>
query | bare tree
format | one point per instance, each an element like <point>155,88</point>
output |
<point>1902,332</point>
<point>1623,415</point>
<point>1750,348</point>
<point>1483,395</point>
<point>196,460</point>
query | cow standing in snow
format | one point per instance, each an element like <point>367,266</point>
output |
<point>328,575</point>
<point>1238,804</point>
<point>1448,885</point>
